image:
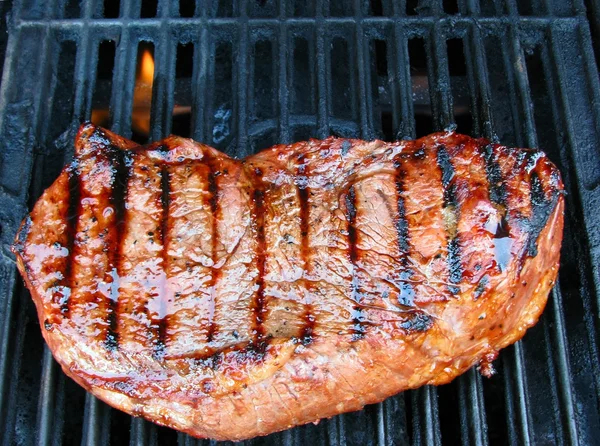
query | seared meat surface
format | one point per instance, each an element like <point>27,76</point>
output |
<point>234,298</point>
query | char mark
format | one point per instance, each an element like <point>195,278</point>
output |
<point>358,316</point>
<point>541,208</point>
<point>71,233</point>
<point>121,171</point>
<point>160,327</point>
<point>497,187</point>
<point>351,218</point>
<point>213,204</point>
<point>303,197</point>
<point>259,304</point>
<point>452,206</point>
<point>498,196</point>
<point>406,292</point>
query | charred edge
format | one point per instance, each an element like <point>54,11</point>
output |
<point>541,209</point>
<point>19,245</point>
<point>122,164</point>
<point>258,198</point>
<point>165,199</point>
<point>406,293</point>
<point>497,187</point>
<point>213,204</point>
<point>451,202</point>
<point>303,194</point>
<point>72,218</point>
<point>419,322</point>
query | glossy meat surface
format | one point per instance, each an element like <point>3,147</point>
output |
<point>234,298</point>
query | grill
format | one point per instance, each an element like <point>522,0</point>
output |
<point>242,75</point>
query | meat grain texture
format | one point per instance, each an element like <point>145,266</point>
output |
<point>234,298</point>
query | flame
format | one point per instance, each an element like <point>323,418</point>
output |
<point>142,94</point>
<point>147,68</point>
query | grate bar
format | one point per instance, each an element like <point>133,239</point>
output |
<point>46,405</point>
<point>323,73</point>
<point>517,360</point>
<point>163,87</point>
<point>588,195</point>
<point>404,120</point>
<point>283,111</point>
<point>441,97</point>
<point>44,413</point>
<point>365,100</point>
<point>470,387</point>
<point>200,75</point>
<point>582,151</point>
<point>193,23</point>
<point>242,83</point>
<point>9,274</point>
<point>564,373</point>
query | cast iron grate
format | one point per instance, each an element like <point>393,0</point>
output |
<point>242,75</point>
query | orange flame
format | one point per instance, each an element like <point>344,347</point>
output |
<point>142,94</point>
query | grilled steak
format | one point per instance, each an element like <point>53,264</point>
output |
<point>233,298</point>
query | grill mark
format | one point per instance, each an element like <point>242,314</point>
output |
<point>452,205</point>
<point>121,166</point>
<point>213,204</point>
<point>72,218</point>
<point>165,200</point>
<point>306,336</point>
<point>541,208</point>
<point>358,319</point>
<point>498,196</point>
<point>496,185</point>
<point>406,293</point>
<point>258,305</point>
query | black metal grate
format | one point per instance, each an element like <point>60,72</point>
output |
<point>242,75</point>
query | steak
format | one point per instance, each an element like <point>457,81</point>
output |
<point>234,298</point>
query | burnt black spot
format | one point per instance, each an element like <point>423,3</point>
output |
<point>480,288</point>
<point>47,325</point>
<point>418,322</point>
<point>420,154</point>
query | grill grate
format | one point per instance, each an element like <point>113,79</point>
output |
<point>245,74</point>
